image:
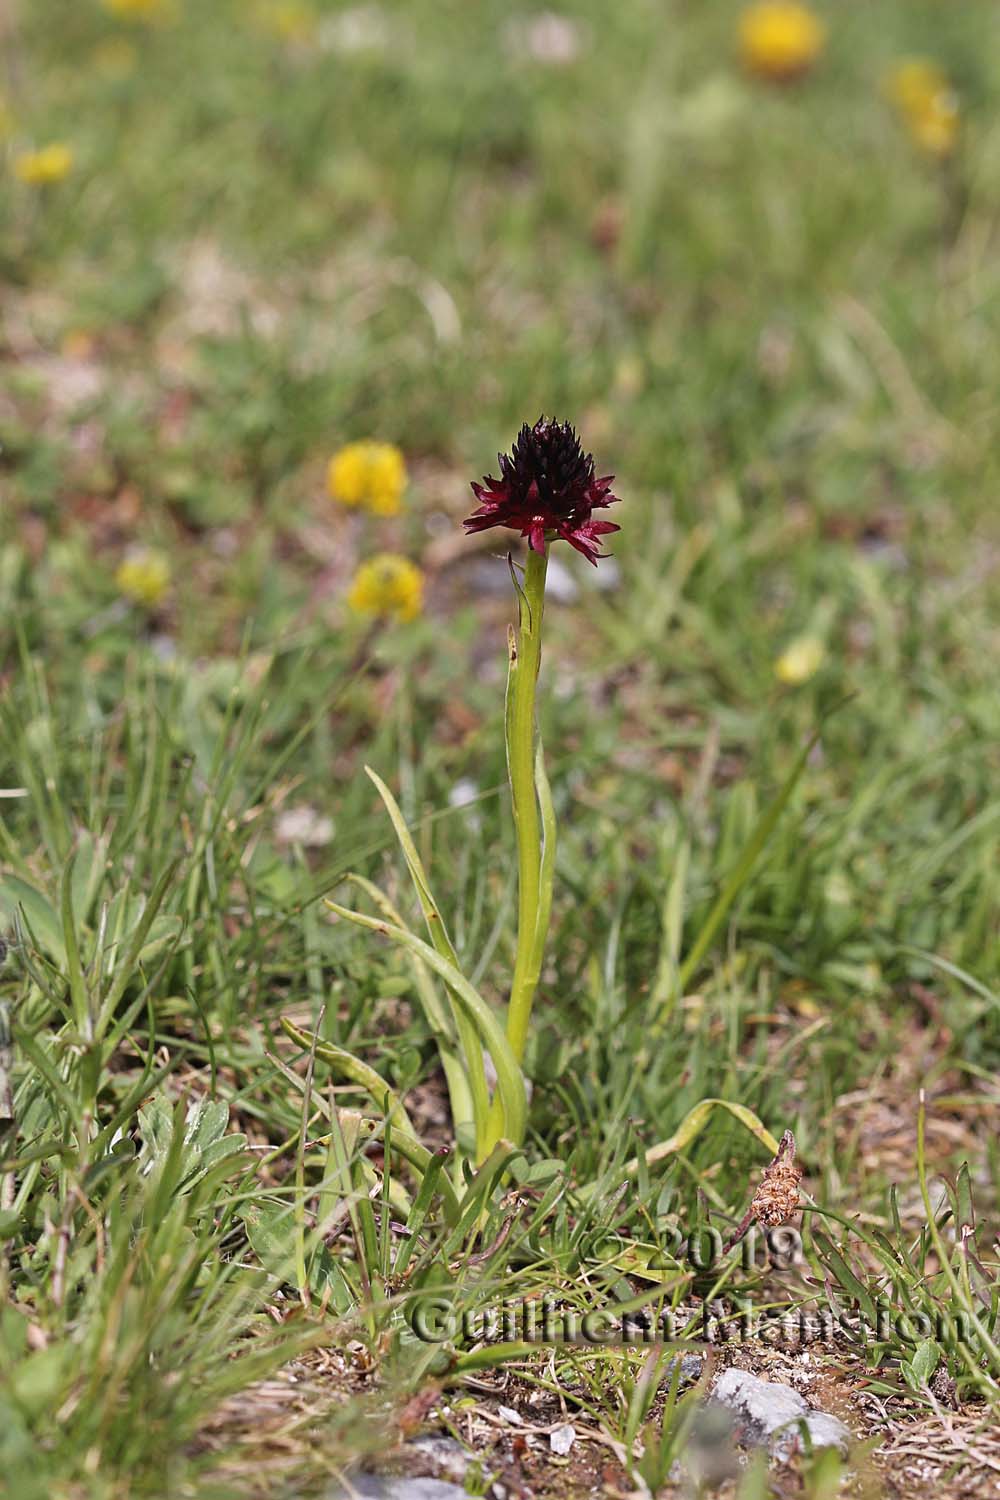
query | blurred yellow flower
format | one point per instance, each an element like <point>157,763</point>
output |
<point>372,475</point>
<point>927,104</point>
<point>50,164</point>
<point>780,39</point>
<point>116,57</point>
<point>800,660</point>
<point>630,376</point>
<point>291,20</point>
<point>139,10</point>
<point>144,578</point>
<point>388,585</point>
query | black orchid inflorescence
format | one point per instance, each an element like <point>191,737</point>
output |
<point>547,489</point>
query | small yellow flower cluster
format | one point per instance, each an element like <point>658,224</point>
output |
<point>372,476</point>
<point>49,164</point>
<point>780,39</point>
<point>799,661</point>
<point>144,578</point>
<point>369,475</point>
<point>927,105</point>
<point>388,585</point>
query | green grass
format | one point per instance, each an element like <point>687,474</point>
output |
<point>778,325</point>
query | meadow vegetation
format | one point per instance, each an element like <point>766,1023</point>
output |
<point>237,238</point>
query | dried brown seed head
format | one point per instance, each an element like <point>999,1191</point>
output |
<point>777,1197</point>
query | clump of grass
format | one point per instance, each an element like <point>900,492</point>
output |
<point>924,1302</point>
<point>267,239</point>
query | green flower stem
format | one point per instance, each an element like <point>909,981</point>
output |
<point>526,651</point>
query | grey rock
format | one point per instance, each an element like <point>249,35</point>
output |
<point>396,1487</point>
<point>449,1458</point>
<point>691,1368</point>
<point>771,1413</point>
<point>710,1455</point>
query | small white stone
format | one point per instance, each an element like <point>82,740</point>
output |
<point>463,792</point>
<point>561,1439</point>
<point>608,575</point>
<point>560,584</point>
<point>365,28</point>
<point>303,825</point>
<point>547,38</point>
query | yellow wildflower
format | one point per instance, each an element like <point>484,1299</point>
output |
<point>144,578</point>
<point>926,103</point>
<point>50,164</point>
<point>800,660</point>
<point>291,20</point>
<point>372,475</point>
<point>780,39</point>
<point>388,585</point>
<point>116,57</point>
<point>138,10</point>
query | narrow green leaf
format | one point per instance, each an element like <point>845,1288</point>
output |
<point>763,829</point>
<point>836,1263</point>
<point>77,984</point>
<point>355,1071</point>
<point>548,863</point>
<point>432,914</point>
<point>477,1194</point>
<point>469,1095</point>
<point>695,1121</point>
<point>126,965</point>
<point>666,987</point>
<point>510,1081</point>
<point>419,1210</point>
<point>965,1216</point>
<point>439,937</point>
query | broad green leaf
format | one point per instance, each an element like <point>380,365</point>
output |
<point>921,1367</point>
<point>39,915</point>
<point>204,1145</point>
<point>271,1232</point>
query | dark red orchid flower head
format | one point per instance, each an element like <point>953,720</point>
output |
<point>546,490</point>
